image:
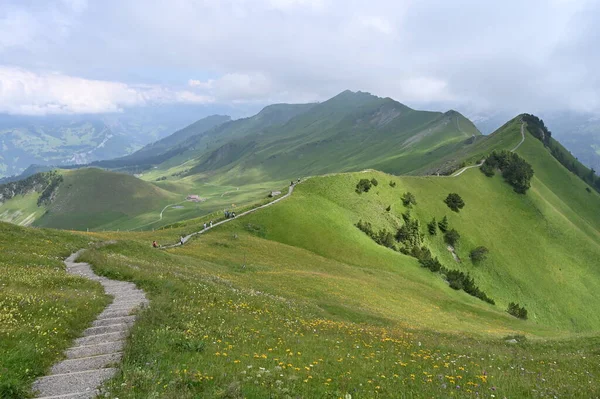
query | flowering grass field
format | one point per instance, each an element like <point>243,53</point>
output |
<point>208,336</point>
<point>42,308</point>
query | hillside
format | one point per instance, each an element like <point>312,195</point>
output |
<point>350,131</point>
<point>297,293</point>
<point>88,198</point>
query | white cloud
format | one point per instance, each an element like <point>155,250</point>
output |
<point>29,93</point>
<point>378,24</point>
<point>465,51</point>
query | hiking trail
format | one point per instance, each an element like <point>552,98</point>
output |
<point>91,359</point>
<point>460,172</point>
<point>186,238</point>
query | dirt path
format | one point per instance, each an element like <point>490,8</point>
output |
<point>232,191</point>
<point>160,216</point>
<point>522,139</point>
<point>460,172</point>
<point>186,238</point>
<point>91,359</point>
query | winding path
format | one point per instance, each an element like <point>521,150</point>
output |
<point>460,172</point>
<point>186,238</point>
<point>159,217</point>
<point>91,359</point>
<point>231,191</point>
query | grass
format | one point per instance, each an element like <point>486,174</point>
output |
<point>42,308</point>
<point>208,333</point>
<point>22,209</point>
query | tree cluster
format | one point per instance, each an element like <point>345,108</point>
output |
<point>364,185</point>
<point>454,202</point>
<point>516,171</point>
<point>517,311</point>
<point>479,254</point>
<point>408,199</point>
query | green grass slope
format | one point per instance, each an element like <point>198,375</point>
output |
<point>88,198</point>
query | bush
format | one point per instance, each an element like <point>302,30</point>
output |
<point>363,186</point>
<point>432,227</point>
<point>479,254</point>
<point>452,237</point>
<point>517,311</point>
<point>392,183</point>
<point>408,199</point>
<point>374,182</point>
<point>454,202</point>
<point>443,225</point>
<point>389,208</point>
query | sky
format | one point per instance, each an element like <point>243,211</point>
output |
<point>98,56</point>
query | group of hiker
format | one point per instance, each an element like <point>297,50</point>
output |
<point>229,215</point>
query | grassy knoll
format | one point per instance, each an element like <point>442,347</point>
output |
<point>42,309</point>
<point>90,198</point>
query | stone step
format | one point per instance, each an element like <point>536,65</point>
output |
<point>129,295</point>
<point>78,395</point>
<point>114,313</point>
<point>129,306</point>
<point>86,363</point>
<point>62,384</point>
<point>112,328</point>
<point>100,338</point>
<point>114,320</point>
<point>94,350</point>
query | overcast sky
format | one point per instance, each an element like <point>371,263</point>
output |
<point>94,56</point>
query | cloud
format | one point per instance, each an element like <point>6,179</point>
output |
<point>29,93</point>
<point>465,53</point>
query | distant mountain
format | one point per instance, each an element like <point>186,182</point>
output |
<point>350,131</point>
<point>81,139</point>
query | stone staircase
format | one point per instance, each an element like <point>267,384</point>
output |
<point>91,359</point>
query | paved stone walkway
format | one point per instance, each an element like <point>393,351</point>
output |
<point>91,359</point>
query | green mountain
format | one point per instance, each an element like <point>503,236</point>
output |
<point>351,131</point>
<point>332,292</point>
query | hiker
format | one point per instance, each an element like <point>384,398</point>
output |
<point>232,214</point>
<point>211,223</point>
<point>181,240</point>
<point>226,215</point>
<point>204,225</point>
<point>154,244</point>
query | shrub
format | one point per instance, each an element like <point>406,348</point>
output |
<point>517,311</point>
<point>408,199</point>
<point>432,227</point>
<point>389,208</point>
<point>363,186</point>
<point>452,237</point>
<point>392,183</point>
<point>374,182</point>
<point>454,202</point>
<point>479,254</point>
<point>443,225</point>
<point>589,190</point>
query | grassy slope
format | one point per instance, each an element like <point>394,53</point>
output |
<point>89,198</point>
<point>22,209</point>
<point>42,309</point>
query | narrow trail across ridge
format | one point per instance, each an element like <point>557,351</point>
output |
<point>186,238</point>
<point>88,361</point>
<point>460,172</point>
